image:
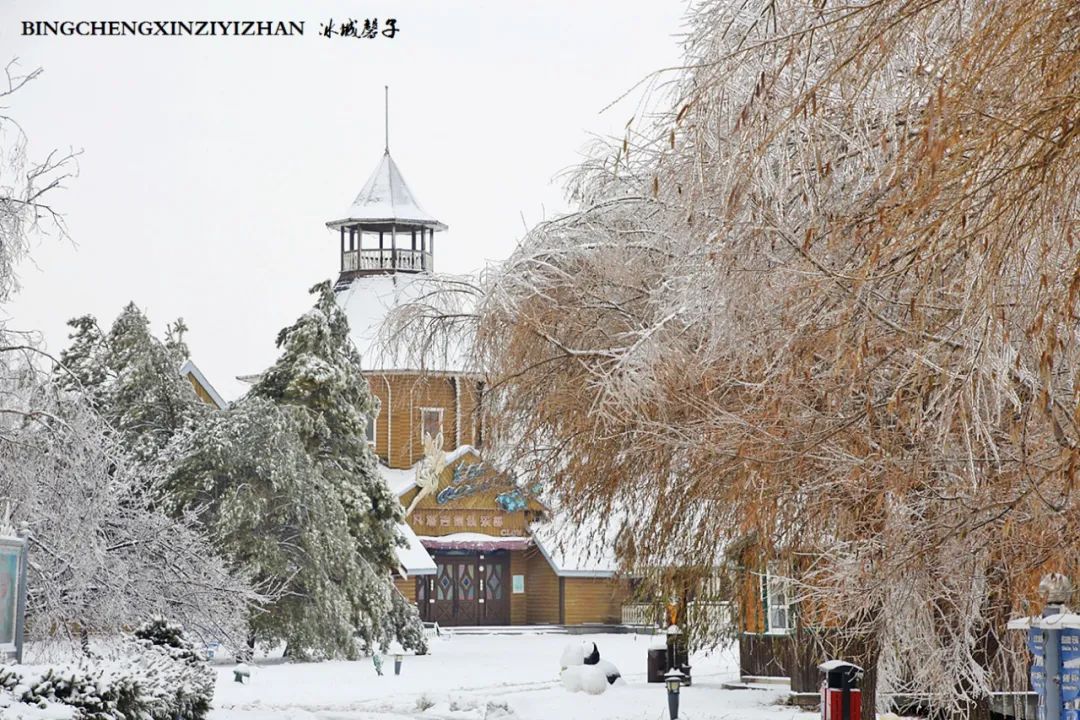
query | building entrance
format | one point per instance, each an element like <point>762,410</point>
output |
<point>468,588</point>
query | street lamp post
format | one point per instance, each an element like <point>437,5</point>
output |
<point>673,680</point>
<point>1056,589</point>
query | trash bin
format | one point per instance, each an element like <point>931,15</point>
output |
<point>841,698</point>
<point>657,665</point>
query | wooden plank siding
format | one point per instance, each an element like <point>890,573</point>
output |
<point>519,602</point>
<point>544,607</point>
<point>407,586</point>
<point>592,600</point>
<point>402,397</point>
<point>766,655</point>
<point>200,391</point>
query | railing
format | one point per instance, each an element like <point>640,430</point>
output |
<point>711,614</point>
<point>640,615</point>
<point>386,259</point>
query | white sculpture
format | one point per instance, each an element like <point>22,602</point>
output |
<point>429,470</point>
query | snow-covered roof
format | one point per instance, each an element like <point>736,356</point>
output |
<point>399,481</point>
<point>190,368</point>
<point>402,481</point>
<point>414,559</point>
<point>387,199</point>
<point>474,541</point>
<point>573,551</point>
<point>367,302</point>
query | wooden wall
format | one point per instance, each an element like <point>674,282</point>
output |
<point>407,586</point>
<point>766,655</point>
<point>592,600</point>
<point>402,396</point>
<point>200,391</point>
<point>544,595</point>
<point>751,605</point>
<point>519,603</point>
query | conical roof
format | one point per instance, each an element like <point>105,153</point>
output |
<point>386,199</point>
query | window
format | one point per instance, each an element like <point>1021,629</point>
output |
<point>776,591</point>
<point>430,422</point>
<point>369,429</point>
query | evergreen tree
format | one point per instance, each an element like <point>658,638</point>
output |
<point>82,364</point>
<point>132,379</point>
<point>270,511</point>
<point>318,376</point>
<point>290,489</point>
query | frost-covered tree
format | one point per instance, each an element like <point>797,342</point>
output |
<point>318,379</point>
<point>824,304</point>
<point>269,509</point>
<point>289,488</point>
<point>103,557</point>
<point>27,186</point>
<point>132,378</point>
<point>318,376</point>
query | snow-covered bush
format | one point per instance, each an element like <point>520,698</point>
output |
<point>174,685</point>
<point>170,637</point>
<point>139,680</point>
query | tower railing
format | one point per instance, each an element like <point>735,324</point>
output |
<point>375,259</point>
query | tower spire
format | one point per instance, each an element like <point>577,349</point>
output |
<point>386,119</point>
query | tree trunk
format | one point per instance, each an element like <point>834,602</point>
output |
<point>247,654</point>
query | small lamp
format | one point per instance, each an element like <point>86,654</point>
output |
<point>241,672</point>
<point>399,656</point>
<point>673,681</point>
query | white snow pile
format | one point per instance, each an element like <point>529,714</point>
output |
<point>584,671</point>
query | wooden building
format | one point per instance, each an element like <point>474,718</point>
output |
<point>203,389</point>
<point>482,551</point>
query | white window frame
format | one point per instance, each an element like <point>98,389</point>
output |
<point>773,584</point>
<point>374,418</point>
<point>438,410</point>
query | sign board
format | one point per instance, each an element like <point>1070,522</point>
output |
<point>1070,644</point>
<point>1070,684</point>
<point>12,593</point>
<point>1038,679</point>
<point>1036,642</point>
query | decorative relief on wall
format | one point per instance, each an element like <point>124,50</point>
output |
<point>466,480</point>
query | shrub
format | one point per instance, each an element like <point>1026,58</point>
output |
<point>156,675</point>
<point>164,634</point>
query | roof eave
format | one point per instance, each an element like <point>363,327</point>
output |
<point>388,222</point>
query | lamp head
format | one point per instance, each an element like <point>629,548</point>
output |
<point>1056,589</point>
<point>673,679</point>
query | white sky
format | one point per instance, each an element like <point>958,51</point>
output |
<point>210,165</point>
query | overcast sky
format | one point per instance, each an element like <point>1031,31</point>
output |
<point>209,166</point>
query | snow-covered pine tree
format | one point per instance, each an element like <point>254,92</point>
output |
<point>270,511</point>
<point>132,378</point>
<point>82,363</point>
<point>318,379</point>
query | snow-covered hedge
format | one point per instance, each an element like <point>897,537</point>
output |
<point>145,678</point>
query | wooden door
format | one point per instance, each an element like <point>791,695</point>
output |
<point>495,588</point>
<point>442,610</point>
<point>453,595</point>
<point>466,590</point>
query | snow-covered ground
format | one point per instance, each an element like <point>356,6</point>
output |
<point>479,677</point>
